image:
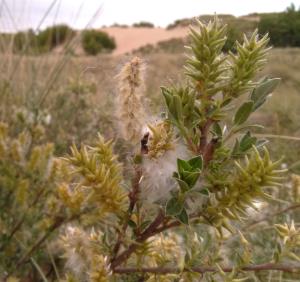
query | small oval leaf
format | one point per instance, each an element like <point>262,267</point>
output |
<point>243,113</point>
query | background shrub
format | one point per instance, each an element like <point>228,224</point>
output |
<point>23,41</point>
<point>54,36</point>
<point>94,42</point>
<point>283,27</point>
<point>143,24</point>
<point>44,41</point>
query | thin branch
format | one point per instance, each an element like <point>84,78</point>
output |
<point>267,217</point>
<point>204,135</point>
<point>133,198</point>
<point>203,269</point>
<point>275,136</point>
<point>150,231</point>
<point>160,224</point>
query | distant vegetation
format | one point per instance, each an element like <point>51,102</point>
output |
<point>143,24</point>
<point>284,28</point>
<point>35,43</point>
<point>119,25</point>
<point>205,18</point>
<point>94,42</point>
<point>43,41</point>
<point>54,36</point>
<point>172,46</point>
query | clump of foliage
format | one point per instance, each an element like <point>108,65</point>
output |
<point>43,41</point>
<point>23,41</point>
<point>282,27</point>
<point>94,42</point>
<point>54,36</point>
<point>119,25</point>
<point>143,24</point>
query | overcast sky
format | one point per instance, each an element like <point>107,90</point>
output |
<point>23,14</point>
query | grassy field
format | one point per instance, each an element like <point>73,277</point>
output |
<point>78,93</point>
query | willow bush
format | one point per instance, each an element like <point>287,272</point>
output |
<point>192,178</point>
<point>183,204</point>
<point>94,42</point>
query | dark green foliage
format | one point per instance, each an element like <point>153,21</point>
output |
<point>94,42</point>
<point>233,34</point>
<point>54,36</point>
<point>143,24</point>
<point>204,18</point>
<point>23,41</point>
<point>283,28</point>
<point>44,41</point>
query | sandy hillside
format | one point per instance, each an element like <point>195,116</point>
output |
<point>128,39</point>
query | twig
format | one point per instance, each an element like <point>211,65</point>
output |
<point>150,231</point>
<point>204,135</point>
<point>206,149</point>
<point>275,136</point>
<point>203,269</point>
<point>133,197</point>
<point>292,207</point>
<point>160,224</point>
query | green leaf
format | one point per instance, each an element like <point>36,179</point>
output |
<point>174,206</point>
<point>178,106</point>
<point>196,162</point>
<point>217,130</point>
<point>226,102</point>
<point>247,142</point>
<point>183,217</point>
<point>236,148</point>
<point>184,187</point>
<point>132,224</point>
<point>167,95</point>
<point>243,112</point>
<point>145,224</point>
<point>192,178</point>
<point>183,165</point>
<point>260,93</point>
<point>204,191</point>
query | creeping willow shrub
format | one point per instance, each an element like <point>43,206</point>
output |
<point>176,209</point>
<point>194,177</point>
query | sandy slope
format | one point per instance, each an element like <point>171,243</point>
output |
<point>128,39</point>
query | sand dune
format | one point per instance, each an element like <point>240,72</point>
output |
<point>129,39</point>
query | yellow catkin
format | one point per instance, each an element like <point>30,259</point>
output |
<point>161,139</point>
<point>99,269</point>
<point>97,175</point>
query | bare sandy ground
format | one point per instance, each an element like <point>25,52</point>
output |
<point>129,39</point>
